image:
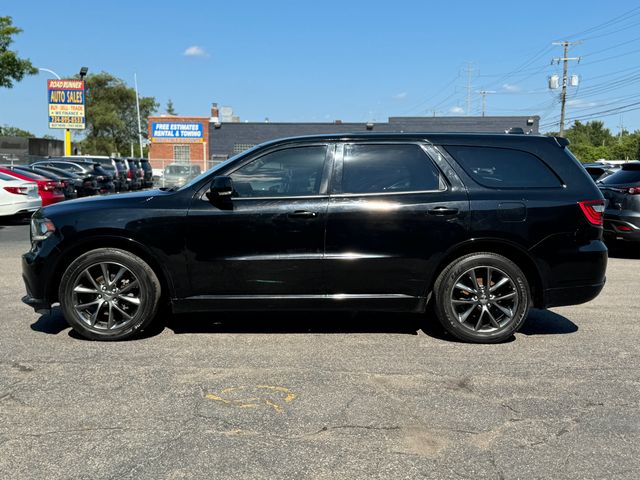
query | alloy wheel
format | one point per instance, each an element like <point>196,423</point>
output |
<point>484,299</point>
<point>107,296</point>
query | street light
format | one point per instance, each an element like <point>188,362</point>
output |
<point>83,72</point>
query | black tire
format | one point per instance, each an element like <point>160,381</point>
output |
<point>476,310</point>
<point>114,310</point>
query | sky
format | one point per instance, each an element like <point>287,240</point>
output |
<point>297,61</point>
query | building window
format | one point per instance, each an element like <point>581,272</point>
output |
<point>182,153</point>
<point>241,147</point>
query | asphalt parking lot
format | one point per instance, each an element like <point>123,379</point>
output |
<point>321,396</point>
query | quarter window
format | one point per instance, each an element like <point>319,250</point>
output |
<point>283,173</point>
<point>388,168</point>
<point>504,167</point>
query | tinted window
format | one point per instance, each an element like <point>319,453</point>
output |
<point>387,168</point>
<point>504,167</point>
<point>622,177</point>
<point>294,171</point>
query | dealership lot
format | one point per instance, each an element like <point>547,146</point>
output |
<point>321,395</point>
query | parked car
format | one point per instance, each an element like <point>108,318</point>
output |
<point>18,196</point>
<point>50,191</point>
<point>133,181</point>
<point>148,172</point>
<point>475,228</point>
<point>137,172</point>
<point>88,169</point>
<point>600,170</point>
<point>66,183</point>
<point>85,185</point>
<point>113,166</point>
<point>176,175</point>
<point>622,192</point>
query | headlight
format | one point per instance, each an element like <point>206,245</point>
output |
<point>41,228</point>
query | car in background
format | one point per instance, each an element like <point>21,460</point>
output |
<point>86,168</point>
<point>49,190</point>
<point>134,180</point>
<point>115,167</point>
<point>139,171</point>
<point>18,196</point>
<point>176,174</point>
<point>148,173</point>
<point>67,184</point>
<point>600,170</point>
<point>621,191</point>
<point>85,186</point>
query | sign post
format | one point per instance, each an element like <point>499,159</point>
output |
<point>66,107</point>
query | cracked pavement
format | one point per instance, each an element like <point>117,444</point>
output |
<point>322,396</point>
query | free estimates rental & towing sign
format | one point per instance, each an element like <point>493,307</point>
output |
<point>176,132</point>
<point>66,103</point>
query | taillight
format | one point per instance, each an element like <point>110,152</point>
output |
<point>129,174</point>
<point>623,228</point>
<point>17,190</point>
<point>48,186</point>
<point>593,210</point>
<point>634,191</point>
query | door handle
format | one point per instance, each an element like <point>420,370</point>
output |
<point>302,214</point>
<point>443,211</point>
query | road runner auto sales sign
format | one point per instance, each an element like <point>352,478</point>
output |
<point>66,103</point>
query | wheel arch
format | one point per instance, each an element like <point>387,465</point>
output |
<point>509,250</point>
<point>107,240</point>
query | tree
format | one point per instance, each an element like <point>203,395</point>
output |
<point>6,131</point>
<point>170,109</point>
<point>12,68</point>
<point>112,121</point>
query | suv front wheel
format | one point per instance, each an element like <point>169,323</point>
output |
<point>109,294</point>
<point>482,298</point>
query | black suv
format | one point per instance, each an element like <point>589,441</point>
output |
<point>474,228</point>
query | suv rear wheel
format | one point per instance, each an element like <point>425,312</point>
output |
<point>109,294</point>
<point>482,298</point>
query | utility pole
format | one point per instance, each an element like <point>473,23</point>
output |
<point>621,127</point>
<point>469,72</point>
<point>563,96</point>
<point>135,81</point>
<point>484,94</point>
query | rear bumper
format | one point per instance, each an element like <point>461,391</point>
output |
<point>558,297</point>
<point>622,225</point>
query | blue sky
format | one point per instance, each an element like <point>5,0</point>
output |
<point>348,60</point>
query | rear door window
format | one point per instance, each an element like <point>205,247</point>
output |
<point>504,167</point>
<point>388,169</point>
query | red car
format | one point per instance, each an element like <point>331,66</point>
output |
<point>50,191</point>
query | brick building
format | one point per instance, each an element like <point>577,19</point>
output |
<point>178,139</point>
<point>220,137</point>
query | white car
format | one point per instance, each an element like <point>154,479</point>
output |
<point>18,196</point>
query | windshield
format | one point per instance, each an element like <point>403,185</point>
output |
<point>217,167</point>
<point>181,169</point>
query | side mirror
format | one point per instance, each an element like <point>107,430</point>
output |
<point>221,189</point>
